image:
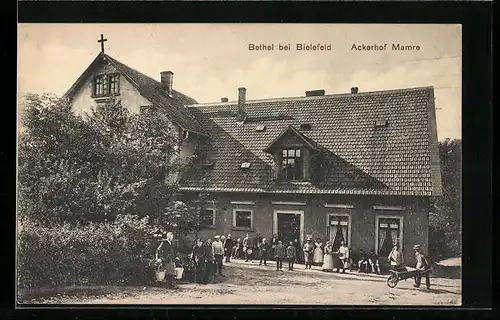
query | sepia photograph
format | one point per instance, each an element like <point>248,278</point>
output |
<point>239,164</point>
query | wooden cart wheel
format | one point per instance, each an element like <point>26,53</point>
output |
<point>392,281</point>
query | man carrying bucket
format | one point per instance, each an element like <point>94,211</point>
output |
<point>166,255</point>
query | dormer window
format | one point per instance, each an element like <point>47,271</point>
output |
<point>292,165</point>
<point>380,123</point>
<point>245,165</point>
<point>107,84</point>
<point>305,127</point>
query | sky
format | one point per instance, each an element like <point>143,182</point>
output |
<point>211,61</point>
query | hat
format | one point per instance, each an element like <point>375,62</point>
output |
<point>416,247</point>
<point>216,237</point>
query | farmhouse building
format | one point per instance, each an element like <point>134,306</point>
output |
<point>361,167</point>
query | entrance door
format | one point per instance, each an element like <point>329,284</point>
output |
<point>288,227</point>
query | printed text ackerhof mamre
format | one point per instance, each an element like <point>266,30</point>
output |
<point>328,47</point>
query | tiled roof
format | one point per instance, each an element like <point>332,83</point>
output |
<point>399,159</point>
<point>153,91</point>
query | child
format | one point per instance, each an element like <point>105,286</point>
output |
<point>363,262</point>
<point>291,255</point>
<point>279,253</point>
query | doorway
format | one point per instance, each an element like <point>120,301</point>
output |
<point>289,225</point>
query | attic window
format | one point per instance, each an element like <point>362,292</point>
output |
<point>245,165</point>
<point>105,85</point>
<point>305,127</point>
<point>260,127</point>
<point>381,123</point>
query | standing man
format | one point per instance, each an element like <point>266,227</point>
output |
<point>298,250</point>
<point>343,256</point>
<point>291,255</point>
<point>263,249</point>
<point>166,252</point>
<point>396,257</point>
<point>246,246</point>
<point>256,244</point>
<point>228,248</point>
<point>210,260</point>
<point>218,251</point>
<point>422,264</point>
<point>308,253</point>
<point>280,254</point>
<point>274,243</point>
<point>199,257</point>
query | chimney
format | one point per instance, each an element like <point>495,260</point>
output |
<point>314,93</point>
<point>354,90</point>
<point>242,93</point>
<point>167,77</point>
<point>224,99</point>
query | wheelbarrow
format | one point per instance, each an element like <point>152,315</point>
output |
<point>403,274</point>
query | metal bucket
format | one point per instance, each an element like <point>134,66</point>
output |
<point>160,274</point>
<point>178,273</point>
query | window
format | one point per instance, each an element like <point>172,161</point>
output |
<point>389,232</point>
<point>245,165</point>
<point>305,127</point>
<point>208,217</point>
<point>106,85</point>
<point>291,164</point>
<point>339,229</point>
<point>381,123</point>
<point>260,127</point>
<point>113,84</point>
<point>243,218</point>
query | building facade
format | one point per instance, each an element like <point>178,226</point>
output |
<point>359,167</point>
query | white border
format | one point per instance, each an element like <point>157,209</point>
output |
<point>275,221</point>
<point>289,203</point>
<point>242,209</point>
<point>213,217</point>
<point>377,217</point>
<point>328,215</point>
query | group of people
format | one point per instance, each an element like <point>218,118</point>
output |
<point>208,256</point>
<point>328,257</point>
<point>264,249</point>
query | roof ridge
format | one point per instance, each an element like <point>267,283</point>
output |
<point>302,98</point>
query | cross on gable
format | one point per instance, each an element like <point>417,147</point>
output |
<point>101,41</point>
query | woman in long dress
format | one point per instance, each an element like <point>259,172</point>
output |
<point>318,252</point>
<point>328,257</point>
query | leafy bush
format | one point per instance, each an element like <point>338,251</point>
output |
<point>95,254</point>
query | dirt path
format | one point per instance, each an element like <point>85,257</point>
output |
<point>251,284</point>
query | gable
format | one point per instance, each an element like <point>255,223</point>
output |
<point>151,92</point>
<point>83,100</point>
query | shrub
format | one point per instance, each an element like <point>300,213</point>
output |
<point>96,254</point>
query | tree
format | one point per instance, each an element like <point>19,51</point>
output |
<point>93,167</point>
<point>445,222</point>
